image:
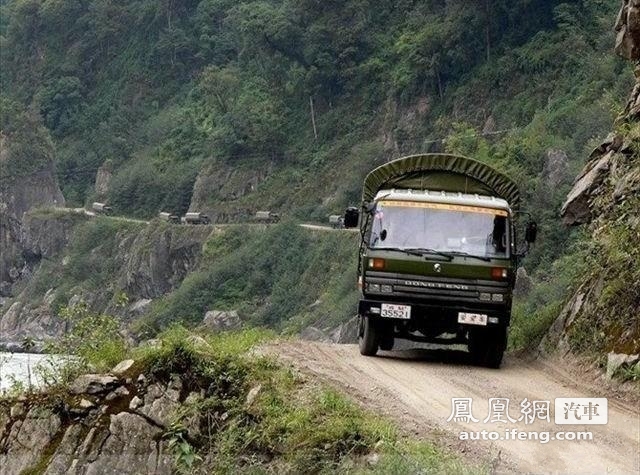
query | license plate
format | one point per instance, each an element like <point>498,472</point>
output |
<point>472,318</point>
<point>395,311</point>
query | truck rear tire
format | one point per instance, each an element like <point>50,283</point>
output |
<point>368,337</point>
<point>487,346</point>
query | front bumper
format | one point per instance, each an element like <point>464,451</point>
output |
<point>440,316</point>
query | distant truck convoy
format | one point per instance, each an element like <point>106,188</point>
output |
<point>438,254</point>
<point>267,217</point>
<point>168,217</point>
<point>195,218</point>
<point>336,221</point>
<point>101,208</point>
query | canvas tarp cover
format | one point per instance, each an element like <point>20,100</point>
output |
<point>441,172</point>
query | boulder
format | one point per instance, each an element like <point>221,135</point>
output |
<point>120,391</point>
<point>122,367</point>
<point>219,320</point>
<point>617,361</point>
<point>5,288</point>
<point>347,332</point>
<point>93,384</point>
<point>135,403</point>
<point>199,344</point>
<point>576,209</point>
<point>160,404</point>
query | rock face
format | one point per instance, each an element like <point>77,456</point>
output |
<point>617,362</point>
<point>218,320</point>
<point>603,312</point>
<point>18,195</point>
<point>556,167</point>
<point>628,30</point>
<point>347,332</point>
<point>103,178</point>
<point>156,260</point>
<point>149,262</point>
<point>99,431</point>
<point>226,185</point>
<point>576,209</point>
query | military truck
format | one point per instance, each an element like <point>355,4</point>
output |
<point>336,221</point>
<point>438,257</point>
<point>168,217</point>
<point>196,218</point>
<point>101,208</point>
<point>267,217</point>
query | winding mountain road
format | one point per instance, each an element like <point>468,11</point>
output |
<point>416,387</point>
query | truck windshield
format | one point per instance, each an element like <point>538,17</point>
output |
<point>477,231</point>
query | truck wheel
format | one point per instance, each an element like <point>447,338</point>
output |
<point>368,338</point>
<point>487,346</point>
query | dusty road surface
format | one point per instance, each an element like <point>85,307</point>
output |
<point>416,387</point>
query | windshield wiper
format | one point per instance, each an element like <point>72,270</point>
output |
<point>415,251</point>
<point>466,254</point>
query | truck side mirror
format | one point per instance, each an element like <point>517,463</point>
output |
<point>351,217</point>
<point>531,232</point>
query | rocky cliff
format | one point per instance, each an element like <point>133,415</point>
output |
<point>193,404</point>
<point>71,257</point>
<point>603,315</point>
<point>102,424</point>
<point>22,189</point>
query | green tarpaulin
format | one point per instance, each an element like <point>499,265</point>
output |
<point>441,172</point>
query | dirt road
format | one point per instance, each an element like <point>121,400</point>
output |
<point>415,388</point>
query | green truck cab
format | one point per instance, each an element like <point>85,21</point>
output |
<point>438,256</point>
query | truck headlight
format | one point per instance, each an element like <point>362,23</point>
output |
<point>485,297</point>
<point>387,289</point>
<point>497,297</point>
<point>373,287</point>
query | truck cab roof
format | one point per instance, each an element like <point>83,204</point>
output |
<point>445,197</point>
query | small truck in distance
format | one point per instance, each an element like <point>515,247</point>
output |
<point>196,218</point>
<point>101,208</point>
<point>267,217</point>
<point>438,258</point>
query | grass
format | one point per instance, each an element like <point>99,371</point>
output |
<point>292,425</point>
<point>282,277</point>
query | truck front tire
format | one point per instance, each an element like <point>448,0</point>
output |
<point>487,346</point>
<point>368,336</point>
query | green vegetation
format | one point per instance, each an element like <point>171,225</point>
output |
<point>283,277</point>
<point>610,322</point>
<point>91,342</point>
<point>288,425</point>
<point>242,412</point>
<point>26,145</point>
<point>90,264</point>
<point>165,91</point>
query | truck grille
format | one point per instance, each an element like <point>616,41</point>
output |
<point>436,288</point>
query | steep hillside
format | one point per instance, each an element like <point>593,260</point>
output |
<point>200,405</point>
<point>233,106</point>
<point>603,316</point>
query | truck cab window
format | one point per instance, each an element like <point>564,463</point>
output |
<point>409,225</point>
